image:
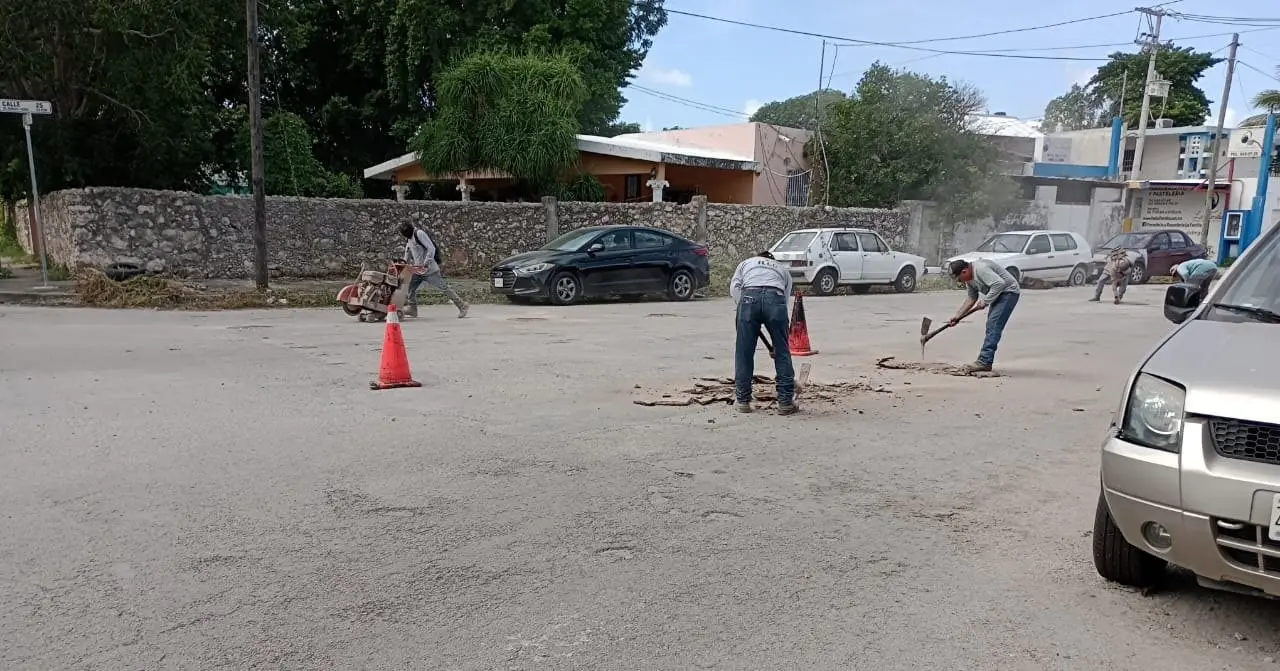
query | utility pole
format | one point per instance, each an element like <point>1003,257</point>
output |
<point>255,142</point>
<point>1153,43</point>
<point>817,125</point>
<point>1212,184</point>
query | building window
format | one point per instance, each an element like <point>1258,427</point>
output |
<point>632,187</point>
<point>1127,164</point>
<point>1027,190</point>
<point>1074,194</point>
<point>798,187</point>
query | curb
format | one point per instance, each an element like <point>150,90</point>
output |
<point>54,298</point>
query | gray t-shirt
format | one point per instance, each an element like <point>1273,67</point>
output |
<point>989,281</point>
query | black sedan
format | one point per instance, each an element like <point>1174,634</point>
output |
<point>605,261</point>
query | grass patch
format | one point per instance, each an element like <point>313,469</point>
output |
<point>95,289</point>
<point>5,273</point>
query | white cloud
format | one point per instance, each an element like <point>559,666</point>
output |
<point>1233,118</point>
<point>751,106</point>
<point>665,77</point>
<point>1082,77</point>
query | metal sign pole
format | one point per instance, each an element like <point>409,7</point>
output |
<point>35,204</point>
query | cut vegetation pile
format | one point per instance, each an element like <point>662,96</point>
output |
<point>95,289</point>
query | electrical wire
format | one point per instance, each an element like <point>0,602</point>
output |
<point>1260,71</point>
<point>705,107</point>
<point>849,41</point>
<point>1266,56</point>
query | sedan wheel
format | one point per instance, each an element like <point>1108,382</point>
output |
<point>680,288</point>
<point>1079,277</point>
<point>1138,274</point>
<point>566,289</point>
<point>825,283</point>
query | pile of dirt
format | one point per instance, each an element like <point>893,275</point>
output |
<point>94,288</point>
<point>943,368</point>
<point>712,390</point>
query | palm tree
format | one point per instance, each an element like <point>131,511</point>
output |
<point>1267,100</point>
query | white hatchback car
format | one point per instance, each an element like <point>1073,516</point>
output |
<point>829,258</point>
<point>1048,256</point>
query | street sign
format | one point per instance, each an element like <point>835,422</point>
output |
<point>25,106</point>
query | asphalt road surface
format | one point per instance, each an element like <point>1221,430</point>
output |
<point>222,490</point>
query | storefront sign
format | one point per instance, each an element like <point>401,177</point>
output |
<point>1179,208</point>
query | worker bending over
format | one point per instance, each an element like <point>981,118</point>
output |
<point>760,287</point>
<point>1196,271</point>
<point>990,287</point>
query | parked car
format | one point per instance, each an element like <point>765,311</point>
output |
<point>1048,256</point>
<point>1161,250</point>
<point>1191,462</point>
<point>858,258</point>
<point>602,261</point>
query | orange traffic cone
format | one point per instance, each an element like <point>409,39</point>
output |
<point>798,338</point>
<point>394,371</point>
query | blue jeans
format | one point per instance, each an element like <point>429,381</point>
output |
<point>767,308</point>
<point>997,316</point>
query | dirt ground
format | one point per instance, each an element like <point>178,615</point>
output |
<point>222,490</point>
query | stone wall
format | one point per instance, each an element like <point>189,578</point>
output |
<point>212,236</point>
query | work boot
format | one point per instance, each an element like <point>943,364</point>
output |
<point>977,367</point>
<point>462,310</point>
<point>409,311</point>
<point>1095,299</point>
<point>788,408</point>
<point>1117,300</point>
<point>744,407</point>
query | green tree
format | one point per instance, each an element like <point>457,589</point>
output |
<point>1123,76</point>
<point>903,135</point>
<point>606,39</point>
<point>128,87</point>
<point>1268,99</point>
<point>516,112</point>
<point>1076,109</point>
<point>616,129</point>
<point>800,111</point>
<point>291,167</point>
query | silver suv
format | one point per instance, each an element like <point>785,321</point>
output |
<point>1191,463</point>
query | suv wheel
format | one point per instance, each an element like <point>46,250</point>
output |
<point>826,282</point>
<point>1117,560</point>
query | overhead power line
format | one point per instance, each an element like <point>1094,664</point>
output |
<point>1011,31</point>
<point>705,107</point>
<point>1260,71</point>
<point>850,41</point>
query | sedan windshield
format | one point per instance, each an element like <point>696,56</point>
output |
<point>794,242</point>
<point>1127,241</point>
<point>1004,243</point>
<point>571,241</point>
<point>1253,290</point>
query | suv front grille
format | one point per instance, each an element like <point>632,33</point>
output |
<point>1249,441</point>
<point>1247,545</point>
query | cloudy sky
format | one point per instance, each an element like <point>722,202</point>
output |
<point>722,72</point>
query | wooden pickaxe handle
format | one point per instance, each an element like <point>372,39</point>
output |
<point>926,338</point>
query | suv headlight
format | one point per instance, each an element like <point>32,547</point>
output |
<point>533,269</point>
<point>1153,414</point>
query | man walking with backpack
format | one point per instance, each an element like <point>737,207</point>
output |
<point>421,253</point>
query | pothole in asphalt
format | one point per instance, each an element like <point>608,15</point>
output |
<point>245,327</point>
<point>526,319</point>
<point>617,552</point>
<point>391,511</point>
<point>720,515</point>
<point>661,314</point>
<point>712,390</point>
<point>892,363</point>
